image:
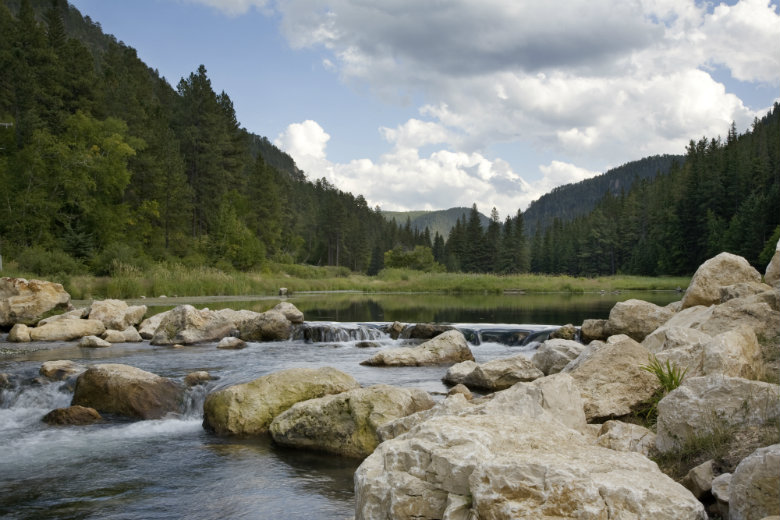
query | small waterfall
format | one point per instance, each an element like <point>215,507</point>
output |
<point>510,335</point>
<point>332,332</point>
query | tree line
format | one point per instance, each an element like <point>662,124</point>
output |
<point>105,165</point>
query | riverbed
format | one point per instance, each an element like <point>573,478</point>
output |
<point>173,468</point>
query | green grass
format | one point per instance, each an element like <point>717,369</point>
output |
<point>181,280</point>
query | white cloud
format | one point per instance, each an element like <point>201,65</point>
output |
<point>589,81</point>
<point>233,7</point>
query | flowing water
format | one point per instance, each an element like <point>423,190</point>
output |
<point>172,468</point>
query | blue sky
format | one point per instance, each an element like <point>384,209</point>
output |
<point>429,105</point>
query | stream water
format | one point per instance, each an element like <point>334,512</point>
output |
<point>172,468</point>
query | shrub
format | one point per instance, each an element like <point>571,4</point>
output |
<point>42,262</point>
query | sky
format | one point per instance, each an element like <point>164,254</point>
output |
<point>431,104</point>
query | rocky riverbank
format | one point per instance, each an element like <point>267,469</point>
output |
<point>556,438</point>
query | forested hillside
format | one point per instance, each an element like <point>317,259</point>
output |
<point>103,163</point>
<point>439,221</point>
<point>572,200</point>
<point>725,197</point>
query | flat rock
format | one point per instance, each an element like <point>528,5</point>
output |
<point>448,347</point>
<point>128,391</point>
<point>249,408</point>
<point>346,423</point>
<point>720,271</point>
<point>67,330</point>
<point>26,301</point>
<point>231,343</point>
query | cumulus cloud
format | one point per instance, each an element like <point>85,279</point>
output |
<point>589,81</point>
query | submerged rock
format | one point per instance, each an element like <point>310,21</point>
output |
<point>448,347</point>
<point>249,408</point>
<point>128,391</point>
<point>72,416</point>
<point>231,343</point>
<point>61,369</point>
<point>346,423</point>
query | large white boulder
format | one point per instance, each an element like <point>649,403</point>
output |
<point>447,347</point>
<point>610,377</point>
<point>719,271</point>
<point>703,405</point>
<point>346,423</point>
<point>187,325</point>
<point>25,301</point>
<point>249,408</point>
<point>636,318</point>
<point>505,466</point>
<point>116,314</point>
<point>750,312</point>
<point>553,355</point>
<point>754,491</point>
<point>67,330</point>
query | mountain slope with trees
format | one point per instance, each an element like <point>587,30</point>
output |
<point>439,221</point>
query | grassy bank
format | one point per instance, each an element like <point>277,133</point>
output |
<point>178,280</point>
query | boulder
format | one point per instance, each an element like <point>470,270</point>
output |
<point>289,311</point>
<point>592,330</point>
<point>705,405</point>
<point>772,274</point>
<point>699,479</point>
<point>128,391</point>
<point>19,333</point>
<point>757,315</point>
<point>735,353</point>
<point>610,378</point>
<point>187,325</point>
<point>116,314</point>
<point>131,335</point>
<point>231,343</point>
<point>458,372</point>
<point>447,347</point>
<point>346,423</point>
<point>500,374</point>
<point>395,329</point>
<point>719,271</point>
<point>93,342</point>
<point>149,326</point>
<point>424,331</point>
<point>67,330</point>
<point>266,326</point>
<point>451,405</point>
<point>114,336</point>
<point>636,318</point>
<point>754,490</point>
<point>25,301</point>
<point>621,436</point>
<point>553,355</point>
<point>72,416</point>
<point>60,370</point>
<point>568,331</point>
<point>249,408</point>
<point>197,378</point>
<point>504,466</point>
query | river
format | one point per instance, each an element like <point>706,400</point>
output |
<point>173,468</point>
